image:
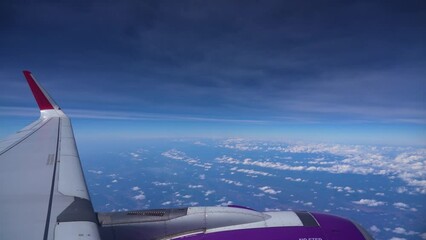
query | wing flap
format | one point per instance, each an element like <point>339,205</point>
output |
<point>68,147</point>
<point>86,231</point>
<point>71,180</point>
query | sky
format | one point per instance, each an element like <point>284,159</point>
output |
<point>325,71</point>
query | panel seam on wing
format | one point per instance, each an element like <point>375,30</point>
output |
<point>24,138</point>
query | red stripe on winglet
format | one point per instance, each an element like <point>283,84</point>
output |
<point>42,101</point>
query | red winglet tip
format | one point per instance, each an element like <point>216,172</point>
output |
<point>42,101</point>
<point>27,74</point>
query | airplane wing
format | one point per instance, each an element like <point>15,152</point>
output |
<point>43,194</point>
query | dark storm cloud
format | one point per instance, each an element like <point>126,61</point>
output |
<point>276,58</point>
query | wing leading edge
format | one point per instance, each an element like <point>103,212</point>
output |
<point>43,194</point>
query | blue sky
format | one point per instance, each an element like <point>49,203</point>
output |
<point>336,71</point>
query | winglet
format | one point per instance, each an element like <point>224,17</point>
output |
<point>44,101</point>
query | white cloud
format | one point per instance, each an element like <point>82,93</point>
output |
<point>400,205</point>
<point>195,186</point>
<point>399,230</point>
<point>409,164</point>
<point>374,229</point>
<point>240,144</point>
<point>209,192</point>
<point>401,190</point>
<point>179,155</point>
<point>95,172</point>
<point>403,231</point>
<point>136,188</point>
<point>265,164</point>
<point>238,184</point>
<point>269,190</point>
<point>166,203</point>
<point>342,189</point>
<point>369,202</point>
<point>199,143</point>
<point>226,203</point>
<point>310,204</point>
<point>226,159</point>
<point>252,172</point>
<point>409,157</point>
<point>295,179</point>
<point>174,154</point>
<point>140,196</point>
<point>156,183</point>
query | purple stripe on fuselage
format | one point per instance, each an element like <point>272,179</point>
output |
<point>336,228</point>
<point>331,228</point>
<point>272,233</point>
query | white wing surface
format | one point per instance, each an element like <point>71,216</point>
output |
<point>43,194</point>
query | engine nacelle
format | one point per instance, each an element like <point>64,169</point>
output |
<point>210,223</point>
